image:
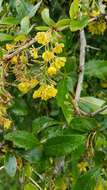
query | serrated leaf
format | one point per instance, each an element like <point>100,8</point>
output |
<point>10,165</point>
<point>63,145</point>
<point>46,17</point>
<point>96,68</point>
<point>78,24</point>
<point>83,125</point>
<point>22,139</point>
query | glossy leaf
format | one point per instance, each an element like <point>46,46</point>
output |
<point>63,145</point>
<point>22,139</point>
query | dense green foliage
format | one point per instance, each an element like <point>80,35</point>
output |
<point>49,139</point>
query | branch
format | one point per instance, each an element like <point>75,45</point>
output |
<point>98,111</point>
<point>7,57</point>
<point>81,65</point>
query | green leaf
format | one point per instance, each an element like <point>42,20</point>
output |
<point>83,125</point>
<point>96,68</point>
<point>78,24</point>
<point>62,24</point>
<point>10,165</point>
<point>29,186</point>
<point>9,21</point>
<point>5,37</point>
<point>68,111</point>
<point>63,145</point>
<point>62,91</point>
<point>19,107</point>
<point>42,28</point>
<point>74,9</point>
<point>33,156</point>
<point>92,103</point>
<point>43,122</point>
<point>22,139</point>
<point>25,25</point>
<point>33,9</point>
<point>87,180</point>
<point>46,17</point>
<point>1,1</point>
<point>24,8</point>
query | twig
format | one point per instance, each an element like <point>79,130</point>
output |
<point>98,111</point>
<point>17,51</point>
<point>81,65</point>
<point>35,183</point>
<point>91,47</point>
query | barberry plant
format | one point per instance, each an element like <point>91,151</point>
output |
<point>53,95</point>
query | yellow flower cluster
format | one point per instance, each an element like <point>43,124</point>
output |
<point>48,56</point>
<point>43,37</point>
<point>97,27</point>
<point>9,47</point>
<point>57,64</point>
<point>95,13</point>
<point>25,86</point>
<point>34,53</point>
<point>5,122</point>
<point>58,48</point>
<point>14,60</point>
<point>45,92</point>
<point>82,166</point>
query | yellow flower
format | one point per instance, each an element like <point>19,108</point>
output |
<point>45,92</point>
<point>33,83</point>
<point>82,166</point>
<point>59,62</point>
<point>95,13</point>
<point>48,56</point>
<point>2,109</point>
<point>43,37</point>
<point>52,70</point>
<point>24,87</point>
<point>7,123</point>
<point>9,47</point>
<point>34,53</point>
<point>97,27</point>
<point>58,48</point>
<point>14,60</point>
